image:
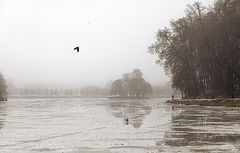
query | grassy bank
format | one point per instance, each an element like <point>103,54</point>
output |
<point>235,102</point>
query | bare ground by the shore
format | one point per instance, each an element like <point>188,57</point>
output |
<point>234,102</point>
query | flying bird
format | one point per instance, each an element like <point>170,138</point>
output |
<point>77,48</point>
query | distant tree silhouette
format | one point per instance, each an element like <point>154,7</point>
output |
<point>131,85</point>
<point>117,88</point>
<point>136,73</point>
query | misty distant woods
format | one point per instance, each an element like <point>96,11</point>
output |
<point>113,87</point>
<point>85,91</point>
<point>201,51</point>
<point>131,85</point>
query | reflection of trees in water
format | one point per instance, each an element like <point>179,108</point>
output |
<point>133,110</point>
<point>184,128</point>
<point>2,113</point>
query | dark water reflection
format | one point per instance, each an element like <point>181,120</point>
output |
<point>2,113</point>
<point>132,112</point>
<point>204,129</point>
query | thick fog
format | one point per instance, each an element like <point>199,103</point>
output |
<point>37,38</point>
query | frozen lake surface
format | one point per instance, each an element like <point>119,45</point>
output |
<point>75,125</point>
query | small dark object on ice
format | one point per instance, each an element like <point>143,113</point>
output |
<point>126,121</point>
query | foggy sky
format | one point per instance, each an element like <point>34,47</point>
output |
<point>37,38</point>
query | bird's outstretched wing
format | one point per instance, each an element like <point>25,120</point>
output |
<point>77,48</point>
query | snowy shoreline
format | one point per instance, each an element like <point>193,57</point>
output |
<point>234,102</point>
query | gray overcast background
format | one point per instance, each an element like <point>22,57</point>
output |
<point>37,38</point>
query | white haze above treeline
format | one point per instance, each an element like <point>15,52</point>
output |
<point>37,38</point>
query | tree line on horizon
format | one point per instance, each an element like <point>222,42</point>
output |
<point>131,84</point>
<point>86,91</point>
<point>201,51</point>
